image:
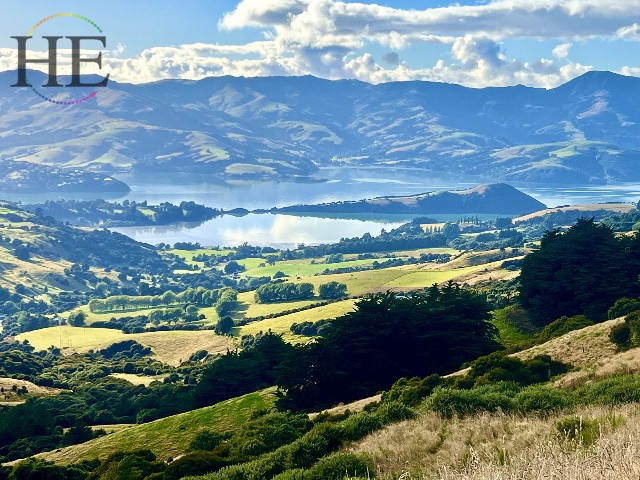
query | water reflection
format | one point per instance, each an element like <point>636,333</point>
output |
<point>280,231</point>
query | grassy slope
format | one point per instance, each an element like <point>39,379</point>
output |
<point>474,448</point>
<point>282,324</point>
<point>9,397</point>
<point>168,437</point>
<point>469,448</point>
<point>38,272</point>
<point>613,207</point>
<point>297,267</point>
<point>169,347</point>
<point>590,352</point>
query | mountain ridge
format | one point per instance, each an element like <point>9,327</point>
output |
<point>585,131</point>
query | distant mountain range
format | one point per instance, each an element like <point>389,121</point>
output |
<point>586,131</point>
<point>494,198</point>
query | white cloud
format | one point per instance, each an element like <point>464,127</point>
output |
<point>631,32</point>
<point>324,36</point>
<point>499,18</point>
<point>562,50</point>
<point>332,39</point>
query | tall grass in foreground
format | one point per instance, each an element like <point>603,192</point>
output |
<point>592,443</point>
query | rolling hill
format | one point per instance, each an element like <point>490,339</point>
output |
<point>495,198</point>
<point>587,130</point>
<point>169,437</point>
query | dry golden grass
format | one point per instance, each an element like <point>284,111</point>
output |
<point>589,351</point>
<point>9,397</point>
<point>172,347</point>
<point>505,447</point>
<point>113,428</point>
<point>353,407</point>
<point>177,346</point>
<point>281,325</point>
<point>134,379</point>
<point>581,348</point>
<point>612,207</point>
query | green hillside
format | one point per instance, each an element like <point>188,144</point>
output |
<point>169,437</point>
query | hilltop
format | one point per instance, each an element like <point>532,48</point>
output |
<point>493,198</point>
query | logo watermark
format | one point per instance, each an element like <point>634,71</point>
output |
<point>52,60</point>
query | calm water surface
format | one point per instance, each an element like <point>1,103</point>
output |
<point>340,184</point>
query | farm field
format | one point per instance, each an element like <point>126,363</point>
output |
<point>295,268</point>
<point>188,255</point>
<point>252,309</point>
<point>134,379</point>
<point>283,323</point>
<point>170,347</point>
<point>406,277</point>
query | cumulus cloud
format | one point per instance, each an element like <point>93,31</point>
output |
<point>332,39</point>
<point>327,37</point>
<point>503,18</point>
<point>562,50</point>
<point>631,32</point>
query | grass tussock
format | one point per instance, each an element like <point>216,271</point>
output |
<point>593,443</point>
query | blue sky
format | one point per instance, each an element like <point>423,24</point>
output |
<point>498,42</point>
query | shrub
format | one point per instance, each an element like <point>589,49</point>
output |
<point>541,399</point>
<point>500,367</point>
<point>623,306</point>
<point>620,335</point>
<point>339,465</point>
<point>78,318</point>
<point>224,326</point>
<point>582,431</point>
<point>627,335</point>
<point>207,440</point>
<point>360,425</point>
<point>562,325</point>
<point>609,391</point>
<point>449,402</point>
<point>197,463</point>
<point>268,432</point>
<point>321,440</point>
<point>295,474</point>
<point>412,391</point>
<point>390,412</point>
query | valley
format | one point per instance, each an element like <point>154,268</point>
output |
<point>182,349</point>
<point>320,240</point>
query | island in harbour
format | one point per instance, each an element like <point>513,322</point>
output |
<point>490,198</point>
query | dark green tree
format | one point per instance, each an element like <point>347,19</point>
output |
<point>582,271</point>
<point>77,318</point>
<point>332,290</point>
<point>225,325</point>
<point>385,338</point>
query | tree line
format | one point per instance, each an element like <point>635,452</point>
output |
<point>362,352</point>
<point>199,296</point>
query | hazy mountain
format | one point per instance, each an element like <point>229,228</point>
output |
<point>587,130</point>
<point>494,198</point>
